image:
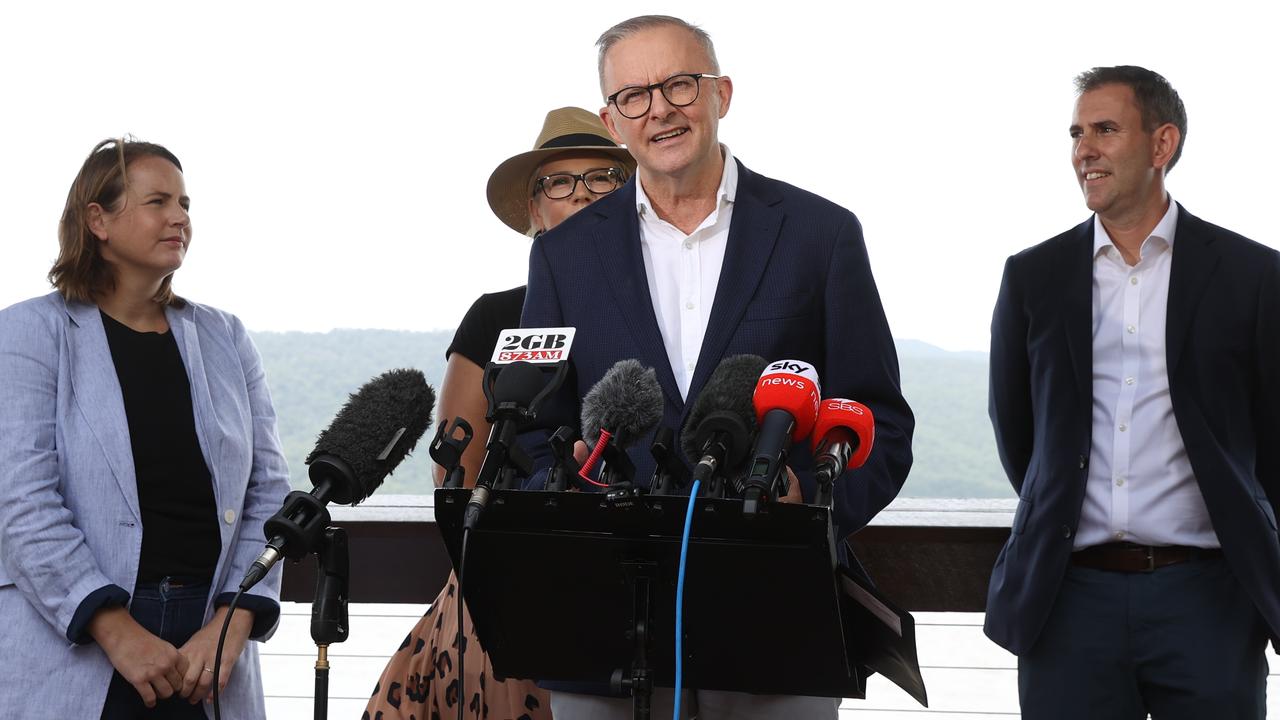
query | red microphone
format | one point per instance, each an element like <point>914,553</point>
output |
<point>786,403</point>
<point>842,440</point>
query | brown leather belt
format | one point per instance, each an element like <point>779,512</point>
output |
<point>1130,558</point>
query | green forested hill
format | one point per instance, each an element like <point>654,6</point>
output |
<point>311,375</point>
<point>955,449</point>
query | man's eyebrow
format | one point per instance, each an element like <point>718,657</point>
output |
<point>1095,124</point>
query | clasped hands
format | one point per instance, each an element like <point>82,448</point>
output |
<point>158,670</point>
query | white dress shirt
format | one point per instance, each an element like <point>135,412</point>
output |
<point>684,270</point>
<point>1141,487</point>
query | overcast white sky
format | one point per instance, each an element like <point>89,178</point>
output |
<point>337,153</point>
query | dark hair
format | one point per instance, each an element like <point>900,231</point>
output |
<point>80,273</point>
<point>626,28</point>
<point>1157,101</point>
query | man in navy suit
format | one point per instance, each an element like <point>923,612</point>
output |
<point>1135,393</point>
<point>698,258</point>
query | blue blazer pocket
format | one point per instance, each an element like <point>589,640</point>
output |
<point>779,308</point>
<point>1020,516</point>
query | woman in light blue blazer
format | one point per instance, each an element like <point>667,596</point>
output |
<point>138,462</point>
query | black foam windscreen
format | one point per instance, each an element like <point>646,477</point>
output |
<point>727,395</point>
<point>377,427</point>
<point>518,383</point>
<point>627,402</point>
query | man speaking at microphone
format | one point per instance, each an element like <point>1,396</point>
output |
<point>698,258</point>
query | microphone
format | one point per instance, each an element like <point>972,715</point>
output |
<point>622,407</point>
<point>786,404</point>
<point>514,390</point>
<point>377,427</point>
<point>842,440</point>
<point>670,472</point>
<point>717,435</point>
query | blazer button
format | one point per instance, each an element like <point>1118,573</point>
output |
<point>229,516</point>
<point>1066,532</point>
<point>1084,462</point>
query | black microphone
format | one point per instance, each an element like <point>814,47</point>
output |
<point>377,427</point>
<point>717,434</point>
<point>512,396</point>
<point>622,407</point>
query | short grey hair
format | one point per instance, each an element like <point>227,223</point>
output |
<point>1157,101</point>
<point>627,28</point>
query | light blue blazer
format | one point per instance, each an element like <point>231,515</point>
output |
<point>69,517</point>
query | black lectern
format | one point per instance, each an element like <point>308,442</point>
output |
<point>559,584</point>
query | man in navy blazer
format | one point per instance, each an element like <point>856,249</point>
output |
<point>1135,394</point>
<point>698,258</point>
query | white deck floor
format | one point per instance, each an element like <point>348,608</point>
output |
<point>968,677</point>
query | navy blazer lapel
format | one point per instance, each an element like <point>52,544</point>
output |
<point>752,235</point>
<point>1077,300</point>
<point>617,243</point>
<point>1193,263</point>
<point>96,389</point>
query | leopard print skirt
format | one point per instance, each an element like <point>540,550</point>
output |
<point>420,681</point>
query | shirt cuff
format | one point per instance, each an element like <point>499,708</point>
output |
<point>106,596</point>
<point>265,611</point>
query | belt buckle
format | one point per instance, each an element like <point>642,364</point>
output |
<point>1151,559</point>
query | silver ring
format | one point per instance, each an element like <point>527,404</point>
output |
<point>208,669</point>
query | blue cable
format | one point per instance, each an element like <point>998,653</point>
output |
<point>684,557</point>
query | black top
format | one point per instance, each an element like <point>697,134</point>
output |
<point>175,490</point>
<point>489,315</point>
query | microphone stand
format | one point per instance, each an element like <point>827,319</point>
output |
<point>329,608</point>
<point>639,681</point>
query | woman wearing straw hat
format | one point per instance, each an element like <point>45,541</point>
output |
<point>573,163</point>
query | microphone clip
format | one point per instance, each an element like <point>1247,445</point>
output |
<point>670,472</point>
<point>564,467</point>
<point>298,525</point>
<point>447,448</point>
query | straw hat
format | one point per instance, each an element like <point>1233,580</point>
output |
<point>565,129</point>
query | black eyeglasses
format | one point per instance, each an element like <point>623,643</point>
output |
<point>679,90</point>
<point>558,186</point>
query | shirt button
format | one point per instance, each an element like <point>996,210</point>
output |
<point>1123,427</point>
<point>1131,329</point>
<point>688,245</point>
<point>690,366</point>
<point>1128,381</point>
<point>688,306</point>
<point>1119,482</point>
<point>229,516</point>
<point>1133,281</point>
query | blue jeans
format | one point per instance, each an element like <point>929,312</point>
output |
<point>173,611</point>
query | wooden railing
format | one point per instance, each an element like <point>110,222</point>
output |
<point>929,555</point>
